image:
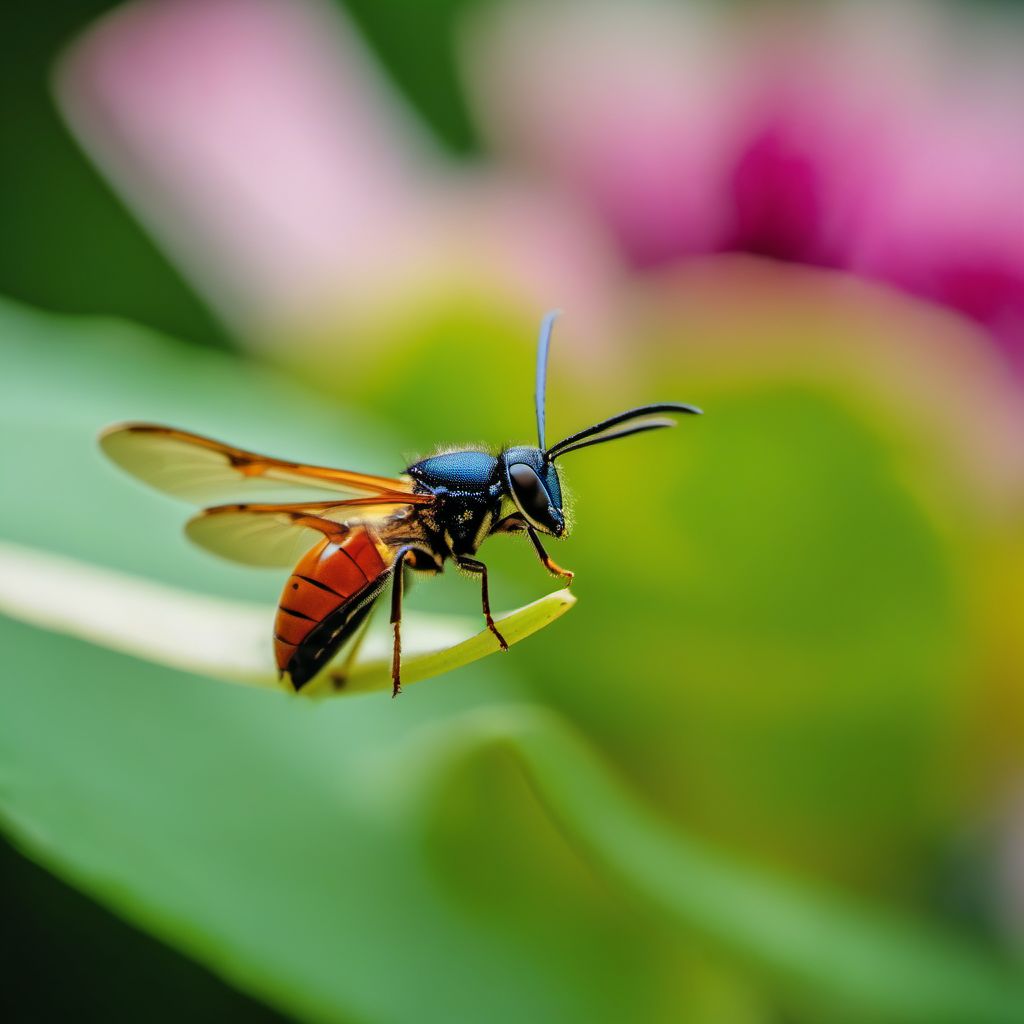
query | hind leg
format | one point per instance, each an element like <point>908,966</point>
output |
<point>397,586</point>
<point>339,676</point>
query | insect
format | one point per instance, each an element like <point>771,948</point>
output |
<point>351,545</point>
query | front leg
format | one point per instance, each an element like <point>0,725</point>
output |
<point>472,565</point>
<point>552,567</point>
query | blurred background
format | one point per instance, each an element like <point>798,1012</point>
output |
<point>770,767</point>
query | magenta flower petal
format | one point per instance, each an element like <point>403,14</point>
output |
<point>692,134</point>
<point>813,141</point>
<point>622,105</point>
<point>254,137</point>
<point>860,137</point>
<point>263,148</point>
<point>949,226</point>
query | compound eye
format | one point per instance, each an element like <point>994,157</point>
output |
<point>529,492</point>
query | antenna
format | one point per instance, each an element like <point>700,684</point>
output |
<point>601,432</point>
<point>540,391</point>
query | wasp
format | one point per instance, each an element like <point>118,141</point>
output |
<point>351,545</point>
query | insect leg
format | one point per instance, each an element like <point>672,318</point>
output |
<point>339,676</point>
<point>552,567</point>
<point>472,565</point>
<point>396,618</point>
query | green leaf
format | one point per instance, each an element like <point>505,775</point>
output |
<point>857,958</point>
<point>462,853</point>
<point>229,639</point>
<point>308,855</point>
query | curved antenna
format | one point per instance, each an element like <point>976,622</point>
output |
<point>601,432</point>
<point>540,390</point>
<point>654,423</point>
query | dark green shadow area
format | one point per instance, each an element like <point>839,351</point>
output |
<point>66,958</point>
<point>68,243</point>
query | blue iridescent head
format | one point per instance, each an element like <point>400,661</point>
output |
<point>533,485</point>
<point>529,473</point>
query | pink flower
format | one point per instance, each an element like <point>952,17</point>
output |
<point>859,137</point>
<point>262,146</point>
<point>260,143</point>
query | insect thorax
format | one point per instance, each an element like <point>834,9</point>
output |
<point>468,497</point>
<point>458,523</point>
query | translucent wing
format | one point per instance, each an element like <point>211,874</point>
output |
<point>278,534</point>
<point>205,471</point>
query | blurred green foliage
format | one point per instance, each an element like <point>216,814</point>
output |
<point>773,649</point>
<point>68,243</point>
<point>310,851</point>
<point>416,43</point>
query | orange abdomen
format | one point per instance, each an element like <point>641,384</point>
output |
<point>327,577</point>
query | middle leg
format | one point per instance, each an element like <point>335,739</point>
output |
<point>474,566</point>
